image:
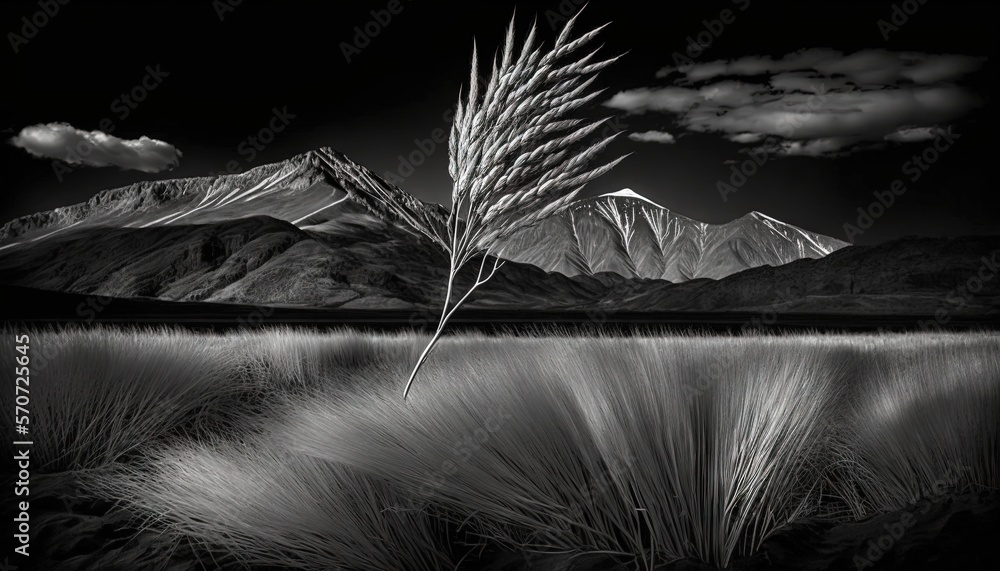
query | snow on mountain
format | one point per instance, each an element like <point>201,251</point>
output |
<point>324,192</point>
<point>320,231</point>
<point>628,234</point>
<point>629,193</point>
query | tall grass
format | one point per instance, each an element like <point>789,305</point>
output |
<point>711,466</point>
<point>923,416</point>
<point>723,456</point>
<point>97,395</point>
<point>262,506</point>
<point>647,448</point>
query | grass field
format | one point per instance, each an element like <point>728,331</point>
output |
<point>293,448</point>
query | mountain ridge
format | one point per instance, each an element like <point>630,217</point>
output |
<point>319,231</point>
<point>324,191</point>
<point>267,262</point>
<point>316,181</point>
<point>648,240</point>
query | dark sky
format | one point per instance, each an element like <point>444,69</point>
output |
<point>222,79</point>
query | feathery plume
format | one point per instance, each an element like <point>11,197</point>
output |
<point>515,155</point>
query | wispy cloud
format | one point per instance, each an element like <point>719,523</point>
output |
<point>816,102</point>
<point>914,134</point>
<point>875,67</point>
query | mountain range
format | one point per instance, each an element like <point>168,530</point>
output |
<point>318,230</point>
<point>632,236</point>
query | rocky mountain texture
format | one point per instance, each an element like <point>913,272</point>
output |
<point>320,231</point>
<point>321,187</point>
<point>632,236</point>
<point>366,264</point>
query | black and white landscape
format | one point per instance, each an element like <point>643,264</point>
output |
<point>709,287</point>
<point>320,231</point>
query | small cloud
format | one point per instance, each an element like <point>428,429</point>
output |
<point>746,138</point>
<point>914,134</point>
<point>730,93</point>
<point>942,67</point>
<point>790,82</point>
<point>672,99</point>
<point>66,143</point>
<point>653,137</point>
<point>826,147</point>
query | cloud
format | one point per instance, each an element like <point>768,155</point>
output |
<point>674,99</point>
<point>730,93</point>
<point>827,147</point>
<point>943,68</point>
<point>66,143</point>
<point>914,134</point>
<point>807,82</point>
<point>653,137</point>
<point>872,66</point>
<point>746,137</point>
<point>814,102</point>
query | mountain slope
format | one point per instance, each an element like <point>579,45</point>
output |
<point>626,233</point>
<point>325,192</point>
<point>318,190</point>
<point>265,261</point>
<point>932,276</point>
<point>315,230</point>
<point>257,259</point>
<point>320,231</point>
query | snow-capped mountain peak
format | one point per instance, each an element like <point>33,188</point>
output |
<point>325,193</point>
<point>629,193</point>
<point>628,234</point>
